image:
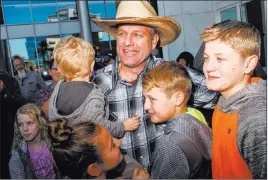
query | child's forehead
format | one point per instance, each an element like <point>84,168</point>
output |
<point>154,91</point>
<point>24,117</point>
<point>218,47</point>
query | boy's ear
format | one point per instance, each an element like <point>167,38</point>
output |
<point>94,169</point>
<point>251,63</point>
<point>179,98</point>
<point>92,66</point>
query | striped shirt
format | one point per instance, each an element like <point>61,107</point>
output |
<point>126,100</point>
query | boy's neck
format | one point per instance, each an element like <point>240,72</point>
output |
<point>181,110</point>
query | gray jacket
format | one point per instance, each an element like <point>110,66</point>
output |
<point>251,105</point>
<point>184,151</point>
<point>20,165</point>
<point>94,109</point>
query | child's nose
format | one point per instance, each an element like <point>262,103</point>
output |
<point>117,142</point>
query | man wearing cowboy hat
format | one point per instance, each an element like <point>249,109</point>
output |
<point>138,30</point>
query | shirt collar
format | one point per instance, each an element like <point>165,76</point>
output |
<point>115,71</point>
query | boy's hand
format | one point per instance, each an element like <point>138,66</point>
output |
<point>139,173</point>
<point>132,123</point>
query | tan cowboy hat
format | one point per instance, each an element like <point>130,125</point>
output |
<point>142,13</point>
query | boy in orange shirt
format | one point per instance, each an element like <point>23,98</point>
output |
<point>239,143</point>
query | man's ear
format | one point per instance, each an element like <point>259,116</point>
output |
<point>94,169</point>
<point>179,98</point>
<point>251,63</point>
<point>155,41</point>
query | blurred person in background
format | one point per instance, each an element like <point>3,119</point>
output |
<point>11,100</point>
<point>30,82</point>
<point>186,59</point>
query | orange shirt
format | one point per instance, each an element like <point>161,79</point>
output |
<point>227,162</point>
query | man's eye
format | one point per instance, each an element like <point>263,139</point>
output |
<point>120,34</point>
<point>137,35</point>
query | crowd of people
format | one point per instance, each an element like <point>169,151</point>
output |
<point>139,117</point>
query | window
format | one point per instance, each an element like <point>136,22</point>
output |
<point>96,9</point>
<point>66,10</point>
<point>43,11</point>
<point>110,9</point>
<point>230,13</point>
<point>1,14</point>
<point>17,12</point>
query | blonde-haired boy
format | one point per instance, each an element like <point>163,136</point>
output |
<point>75,96</point>
<point>232,51</point>
<point>184,150</point>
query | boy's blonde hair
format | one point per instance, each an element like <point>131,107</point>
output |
<point>74,57</point>
<point>36,114</point>
<point>241,36</point>
<point>170,77</point>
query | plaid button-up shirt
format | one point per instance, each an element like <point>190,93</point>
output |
<point>126,100</point>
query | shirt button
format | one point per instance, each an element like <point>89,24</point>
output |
<point>141,157</point>
<point>138,134</point>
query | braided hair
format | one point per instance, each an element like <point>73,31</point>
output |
<point>74,147</point>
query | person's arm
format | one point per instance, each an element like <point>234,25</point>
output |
<point>252,140</point>
<point>41,82</point>
<point>16,168</point>
<point>97,111</point>
<point>169,162</point>
<point>201,96</point>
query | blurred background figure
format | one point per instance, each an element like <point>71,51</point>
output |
<point>54,73</point>
<point>186,59</point>
<point>31,83</point>
<point>112,56</point>
<point>104,59</point>
<point>11,100</point>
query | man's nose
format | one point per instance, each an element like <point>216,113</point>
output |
<point>128,40</point>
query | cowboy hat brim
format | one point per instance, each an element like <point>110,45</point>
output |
<point>167,28</point>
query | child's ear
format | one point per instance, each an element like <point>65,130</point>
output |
<point>92,66</point>
<point>94,169</point>
<point>251,63</point>
<point>179,98</point>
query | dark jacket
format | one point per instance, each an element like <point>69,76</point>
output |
<point>11,100</point>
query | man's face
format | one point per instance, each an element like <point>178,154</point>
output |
<point>134,44</point>
<point>18,64</point>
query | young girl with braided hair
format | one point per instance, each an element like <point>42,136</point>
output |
<point>31,157</point>
<point>86,149</point>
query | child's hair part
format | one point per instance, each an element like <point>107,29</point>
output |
<point>74,57</point>
<point>170,77</point>
<point>241,36</point>
<point>75,146</point>
<point>35,113</point>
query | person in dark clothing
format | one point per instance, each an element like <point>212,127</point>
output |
<point>186,59</point>
<point>11,100</point>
